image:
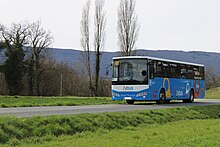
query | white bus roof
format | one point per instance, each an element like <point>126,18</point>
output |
<point>154,58</point>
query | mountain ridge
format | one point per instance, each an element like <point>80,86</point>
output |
<point>73,56</point>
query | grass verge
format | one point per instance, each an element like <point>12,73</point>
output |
<point>12,129</point>
<point>213,93</point>
<point>179,133</point>
<point>28,101</point>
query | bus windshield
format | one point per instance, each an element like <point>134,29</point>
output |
<point>130,71</point>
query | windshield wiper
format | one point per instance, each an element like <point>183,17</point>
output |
<point>131,80</point>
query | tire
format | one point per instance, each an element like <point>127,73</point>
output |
<point>130,101</point>
<point>162,97</point>
<point>191,98</point>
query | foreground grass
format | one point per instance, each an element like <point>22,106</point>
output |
<point>37,129</point>
<point>213,93</point>
<point>27,101</point>
<point>180,133</point>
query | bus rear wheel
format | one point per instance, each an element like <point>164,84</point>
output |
<point>191,98</point>
<point>130,101</point>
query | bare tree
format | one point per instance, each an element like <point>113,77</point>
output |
<point>2,47</point>
<point>85,43</point>
<point>211,77</point>
<point>99,38</point>
<point>39,40</point>
<point>128,27</point>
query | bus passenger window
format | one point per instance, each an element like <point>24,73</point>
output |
<point>173,73</point>
<point>165,69</point>
<point>190,72</point>
<point>183,73</point>
<point>151,69</point>
<point>159,69</point>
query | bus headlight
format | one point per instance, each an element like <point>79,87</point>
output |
<point>141,94</point>
<point>115,94</point>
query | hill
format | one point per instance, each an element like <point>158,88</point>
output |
<point>73,57</point>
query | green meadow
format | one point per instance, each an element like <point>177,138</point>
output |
<point>32,101</point>
<point>213,93</point>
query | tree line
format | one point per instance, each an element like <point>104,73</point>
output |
<point>25,48</point>
<point>212,79</point>
<point>28,68</point>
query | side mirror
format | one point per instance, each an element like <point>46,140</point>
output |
<point>144,73</point>
<point>107,72</point>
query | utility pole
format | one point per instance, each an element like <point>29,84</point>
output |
<point>61,84</point>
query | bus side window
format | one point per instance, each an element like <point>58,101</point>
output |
<point>183,72</point>
<point>165,69</point>
<point>173,73</point>
<point>151,69</point>
<point>190,72</point>
<point>197,73</point>
<point>159,69</point>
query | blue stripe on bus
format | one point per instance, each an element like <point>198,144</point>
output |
<point>175,89</point>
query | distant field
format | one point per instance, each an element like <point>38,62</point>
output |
<point>31,101</point>
<point>180,133</point>
<point>213,93</point>
<point>28,101</point>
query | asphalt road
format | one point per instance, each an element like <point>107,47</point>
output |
<point>67,110</point>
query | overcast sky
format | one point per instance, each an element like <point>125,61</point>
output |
<point>164,24</point>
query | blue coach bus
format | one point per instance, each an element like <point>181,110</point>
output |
<point>143,78</point>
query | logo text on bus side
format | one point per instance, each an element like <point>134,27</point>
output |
<point>125,88</point>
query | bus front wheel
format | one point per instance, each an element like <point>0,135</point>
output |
<point>162,97</point>
<point>130,101</point>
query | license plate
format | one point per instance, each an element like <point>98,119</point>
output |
<point>127,98</point>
